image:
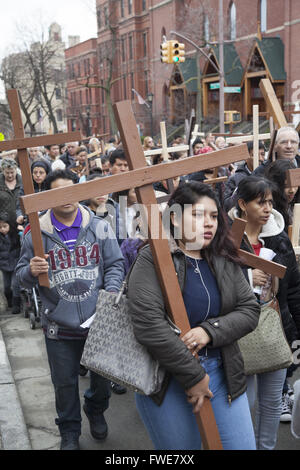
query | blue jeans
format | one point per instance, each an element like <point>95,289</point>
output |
<point>269,405</point>
<point>173,426</point>
<point>64,360</point>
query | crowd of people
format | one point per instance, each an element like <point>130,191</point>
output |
<point>222,296</point>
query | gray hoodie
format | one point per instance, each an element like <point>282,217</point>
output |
<point>75,277</point>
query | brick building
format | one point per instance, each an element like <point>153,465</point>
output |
<point>83,111</point>
<point>127,51</point>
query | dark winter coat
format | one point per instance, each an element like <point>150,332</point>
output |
<point>9,252</point>
<point>231,185</point>
<point>14,192</point>
<point>238,317</point>
<point>275,238</point>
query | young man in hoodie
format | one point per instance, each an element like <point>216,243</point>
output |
<point>82,257</point>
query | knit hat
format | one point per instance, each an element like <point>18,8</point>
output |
<point>41,164</point>
<point>4,216</point>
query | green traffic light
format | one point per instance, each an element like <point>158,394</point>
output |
<point>175,59</point>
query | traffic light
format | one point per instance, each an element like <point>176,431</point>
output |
<point>172,52</point>
<point>165,51</point>
<point>178,52</point>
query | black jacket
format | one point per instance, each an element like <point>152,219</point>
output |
<point>232,183</point>
<point>9,252</point>
<point>289,287</point>
<point>15,193</point>
<point>67,159</point>
<point>238,316</point>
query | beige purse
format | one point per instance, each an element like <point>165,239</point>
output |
<point>266,348</point>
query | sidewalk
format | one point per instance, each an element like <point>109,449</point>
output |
<point>13,430</point>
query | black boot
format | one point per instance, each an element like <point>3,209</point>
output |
<point>8,295</point>
<point>16,303</point>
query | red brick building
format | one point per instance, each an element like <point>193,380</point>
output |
<point>82,68</point>
<point>127,53</point>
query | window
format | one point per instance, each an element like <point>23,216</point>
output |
<point>73,125</point>
<point>125,88</point>
<point>206,28</point>
<point>58,93</point>
<point>143,5</point>
<point>145,44</point>
<point>146,83</point>
<point>129,7</point>
<point>130,47</point>
<point>263,15</point>
<point>59,115</point>
<point>99,18</point>
<point>102,92</point>
<point>122,8</point>
<point>232,18</point>
<point>106,16</point>
<point>123,49</point>
<point>132,84</point>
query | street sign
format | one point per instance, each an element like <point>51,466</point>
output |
<point>227,89</point>
<point>232,89</point>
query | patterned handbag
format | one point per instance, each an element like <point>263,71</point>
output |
<point>266,349</point>
<point>112,350</point>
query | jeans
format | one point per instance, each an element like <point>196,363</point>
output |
<point>10,283</point>
<point>269,394</point>
<point>173,426</point>
<point>64,360</point>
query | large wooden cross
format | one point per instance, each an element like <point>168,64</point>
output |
<point>142,178</point>
<point>20,143</point>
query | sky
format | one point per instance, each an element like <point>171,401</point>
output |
<point>76,17</point>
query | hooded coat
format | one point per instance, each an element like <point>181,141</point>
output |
<point>275,238</point>
<point>75,277</point>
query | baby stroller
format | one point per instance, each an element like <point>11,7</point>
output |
<point>31,306</point>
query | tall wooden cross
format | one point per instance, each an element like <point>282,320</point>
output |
<point>142,178</point>
<point>21,144</point>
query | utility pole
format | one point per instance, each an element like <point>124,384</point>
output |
<point>221,64</point>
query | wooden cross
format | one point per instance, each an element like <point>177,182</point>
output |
<point>256,137</point>
<point>21,143</point>
<point>189,126</point>
<point>165,150</point>
<point>294,229</point>
<point>142,178</point>
<point>272,102</point>
<point>250,259</point>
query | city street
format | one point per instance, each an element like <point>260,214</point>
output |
<point>27,356</point>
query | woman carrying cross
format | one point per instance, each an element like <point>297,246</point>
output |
<point>206,361</point>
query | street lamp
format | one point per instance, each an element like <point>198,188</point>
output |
<point>150,101</point>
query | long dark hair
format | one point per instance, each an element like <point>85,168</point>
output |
<point>276,172</point>
<point>251,188</point>
<point>223,243</point>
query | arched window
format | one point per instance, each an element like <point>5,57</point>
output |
<point>206,28</point>
<point>263,15</point>
<point>232,19</point>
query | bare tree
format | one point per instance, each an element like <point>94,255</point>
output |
<point>13,76</point>
<point>37,70</point>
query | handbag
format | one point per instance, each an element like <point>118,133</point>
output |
<point>112,350</point>
<point>266,349</point>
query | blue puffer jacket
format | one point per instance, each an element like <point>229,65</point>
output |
<point>75,277</point>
